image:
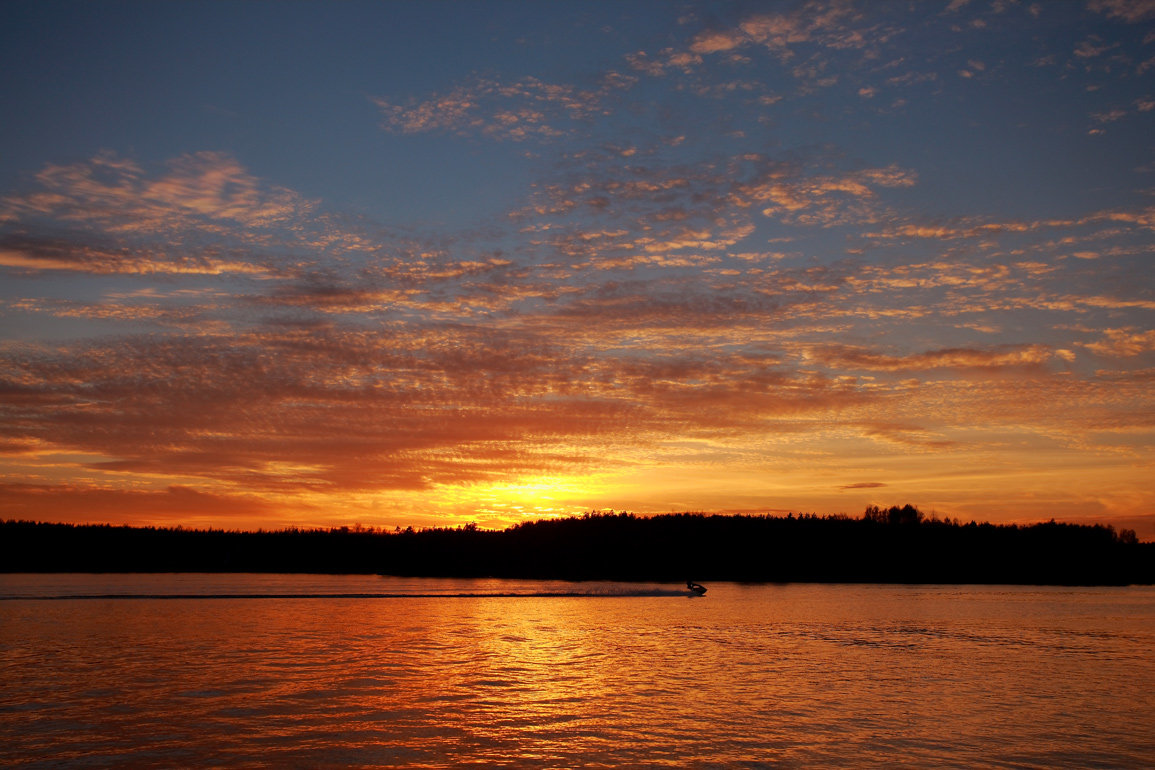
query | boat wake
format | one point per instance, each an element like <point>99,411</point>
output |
<point>575,594</point>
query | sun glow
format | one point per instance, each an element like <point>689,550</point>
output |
<point>533,497</point>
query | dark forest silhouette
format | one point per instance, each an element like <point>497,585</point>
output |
<point>893,545</point>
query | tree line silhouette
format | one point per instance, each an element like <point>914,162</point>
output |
<point>891,545</point>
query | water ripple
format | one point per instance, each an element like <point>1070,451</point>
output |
<point>794,676</point>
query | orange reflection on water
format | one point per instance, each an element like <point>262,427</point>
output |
<point>615,675</point>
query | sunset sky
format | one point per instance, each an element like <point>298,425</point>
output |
<point>272,264</point>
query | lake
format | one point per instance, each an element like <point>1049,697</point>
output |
<point>309,671</point>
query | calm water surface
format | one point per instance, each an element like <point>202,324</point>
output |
<point>250,671</point>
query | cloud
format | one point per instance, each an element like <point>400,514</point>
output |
<point>802,38</point>
<point>523,109</point>
<point>665,61</point>
<point>89,255</point>
<point>83,503</point>
<point>1093,47</point>
<point>711,207</point>
<point>847,357</point>
<point>329,409</point>
<point>973,227</point>
<point>820,199</point>
<point>198,190</point>
<point>203,215</point>
<point>907,437</point>
<point>186,318</point>
<point>1130,11</point>
<point>863,485</point>
<point>1110,116</point>
<point>819,21</point>
<point>1123,343</point>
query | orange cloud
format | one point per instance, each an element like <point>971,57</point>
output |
<point>951,358</point>
<point>822,21</point>
<point>81,504</point>
<point>82,255</point>
<point>1123,343</point>
<point>114,194</point>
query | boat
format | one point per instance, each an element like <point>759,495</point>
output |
<point>696,589</point>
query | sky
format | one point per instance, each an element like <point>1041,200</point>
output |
<point>270,264</point>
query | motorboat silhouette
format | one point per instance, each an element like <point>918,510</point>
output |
<point>695,588</point>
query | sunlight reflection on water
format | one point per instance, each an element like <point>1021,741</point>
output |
<point>797,675</point>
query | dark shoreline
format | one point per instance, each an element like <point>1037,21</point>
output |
<point>884,546</point>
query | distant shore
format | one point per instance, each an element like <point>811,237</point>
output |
<point>896,545</point>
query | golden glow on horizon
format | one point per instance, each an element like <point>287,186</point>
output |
<point>841,473</point>
<point>530,497</point>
